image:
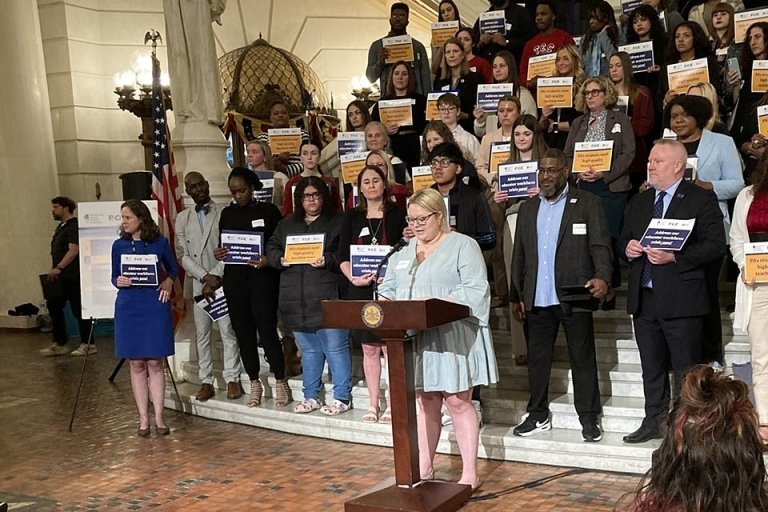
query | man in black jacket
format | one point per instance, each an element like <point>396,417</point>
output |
<point>519,28</point>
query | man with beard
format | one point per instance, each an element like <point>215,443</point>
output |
<point>197,235</point>
<point>63,281</point>
<point>378,69</point>
<point>519,28</point>
<point>561,267</point>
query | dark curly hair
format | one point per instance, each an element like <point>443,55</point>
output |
<point>697,107</point>
<point>649,13</point>
<point>322,188</point>
<point>701,45</point>
<point>149,229</point>
<point>248,176</point>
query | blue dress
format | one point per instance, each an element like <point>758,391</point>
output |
<point>143,324</point>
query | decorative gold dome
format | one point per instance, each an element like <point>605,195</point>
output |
<point>254,76</point>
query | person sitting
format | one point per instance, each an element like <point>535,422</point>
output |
<point>711,456</point>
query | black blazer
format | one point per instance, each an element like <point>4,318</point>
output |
<point>679,288</point>
<point>578,259</point>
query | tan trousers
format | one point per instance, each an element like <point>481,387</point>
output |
<point>758,339</point>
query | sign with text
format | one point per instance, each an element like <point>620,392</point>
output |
<point>365,258</point>
<point>627,6</point>
<point>396,112</point>
<point>304,249</point>
<point>488,95</point>
<point>742,20</point>
<point>760,76</point>
<point>432,113</point>
<point>267,191</point>
<point>685,74</point>
<point>555,92</point>
<point>516,179</point>
<point>284,140</point>
<point>667,234</point>
<point>422,177</point>
<point>622,105</point>
<point>350,142</point>
<point>443,31</point>
<point>491,22</point>
<point>242,246</point>
<point>141,269</point>
<point>762,120</point>
<point>756,262</point>
<point>691,166</point>
<point>351,165</point>
<point>215,309</point>
<point>542,66</point>
<point>594,156</point>
<point>398,48</point>
<point>641,55</point>
<point>499,155</point>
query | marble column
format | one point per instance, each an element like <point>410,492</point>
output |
<point>28,174</point>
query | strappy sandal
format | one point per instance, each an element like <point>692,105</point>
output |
<point>335,407</point>
<point>386,417</point>
<point>308,405</point>
<point>254,399</point>
<point>282,393</point>
<point>371,415</point>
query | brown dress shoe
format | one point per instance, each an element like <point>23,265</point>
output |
<point>234,390</point>
<point>206,392</point>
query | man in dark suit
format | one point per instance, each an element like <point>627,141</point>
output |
<point>561,266</point>
<point>667,293</point>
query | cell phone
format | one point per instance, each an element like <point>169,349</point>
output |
<point>733,65</point>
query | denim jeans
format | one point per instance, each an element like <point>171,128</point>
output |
<point>320,345</point>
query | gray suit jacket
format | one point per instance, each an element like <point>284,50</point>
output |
<point>579,257</point>
<point>194,247</point>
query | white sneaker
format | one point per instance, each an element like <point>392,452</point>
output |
<point>83,349</point>
<point>55,350</point>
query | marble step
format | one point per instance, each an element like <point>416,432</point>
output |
<point>560,447</point>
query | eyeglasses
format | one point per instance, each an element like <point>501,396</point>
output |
<point>551,170</point>
<point>592,93</point>
<point>314,196</point>
<point>447,110</point>
<point>419,221</point>
<point>440,163</point>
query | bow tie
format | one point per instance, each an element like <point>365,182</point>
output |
<point>203,207</point>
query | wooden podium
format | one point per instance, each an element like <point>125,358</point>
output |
<point>390,320</point>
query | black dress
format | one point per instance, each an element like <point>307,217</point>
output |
<point>405,143</point>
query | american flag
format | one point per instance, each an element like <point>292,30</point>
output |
<point>165,183</point>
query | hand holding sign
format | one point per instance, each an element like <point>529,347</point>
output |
<point>659,256</point>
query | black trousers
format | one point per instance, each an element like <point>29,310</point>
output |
<point>664,344</point>
<point>71,294</point>
<point>252,297</point>
<point>712,338</point>
<point>543,324</point>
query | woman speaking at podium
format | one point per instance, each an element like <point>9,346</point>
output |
<point>143,323</point>
<point>452,358</point>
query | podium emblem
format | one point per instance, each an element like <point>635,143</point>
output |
<point>372,315</point>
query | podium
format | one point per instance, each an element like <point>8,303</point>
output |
<point>390,320</point>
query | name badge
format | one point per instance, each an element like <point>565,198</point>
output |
<point>402,265</point>
<point>364,232</point>
<point>579,229</point>
<point>258,223</point>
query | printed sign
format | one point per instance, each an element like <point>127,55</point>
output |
<point>742,20</point>
<point>432,113</point>
<point>443,31</point>
<point>422,177</point>
<point>499,155</point>
<point>594,155</point>
<point>488,95</point>
<point>542,66</point>
<point>641,55</point>
<point>555,92</point>
<point>756,262</point>
<point>365,258</point>
<point>243,246</point>
<point>691,166</point>
<point>492,22</point>
<point>685,74</point>
<point>267,191</point>
<point>141,269</point>
<point>398,48</point>
<point>350,142</point>
<point>516,179</point>
<point>304,249</point>
<point>396,112</point>
<point>627,6</point>
<point>760,76</point>
<point>215,309</point>
<point>284,140</point>
<point>667,234</point>
<point>351,165</point>
<point>762,120</point>
<point>622,105</point>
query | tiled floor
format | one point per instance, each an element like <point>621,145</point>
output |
<point>209,465</point>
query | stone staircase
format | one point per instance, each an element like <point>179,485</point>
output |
<point>503,404</point>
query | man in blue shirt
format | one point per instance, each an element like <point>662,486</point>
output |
<point>561,266</point>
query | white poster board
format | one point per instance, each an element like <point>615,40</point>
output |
<point>99,224</point>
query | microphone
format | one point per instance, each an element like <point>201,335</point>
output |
<point>395,248</point>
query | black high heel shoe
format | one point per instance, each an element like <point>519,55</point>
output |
<point>143,432</point>
<point>163,431</point>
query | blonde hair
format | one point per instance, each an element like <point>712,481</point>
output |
<point>708,91</point>
<point>268,160</point>
<point>390,171</point>
<point>578,64</point>
<point>383,129</point>
<point>431,200</point>
<point>611,95</point>
<point>445,71</point>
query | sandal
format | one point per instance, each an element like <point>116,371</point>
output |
<point>254,400</point>
<point>282,393</point>
<point>371,415</point>
<point>335,407</point>
<point>308,405</point>
<point>386,417</point>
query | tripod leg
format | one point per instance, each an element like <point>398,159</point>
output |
<point>173,381</point>
<point>82,374</point>
<point>117,369</point>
